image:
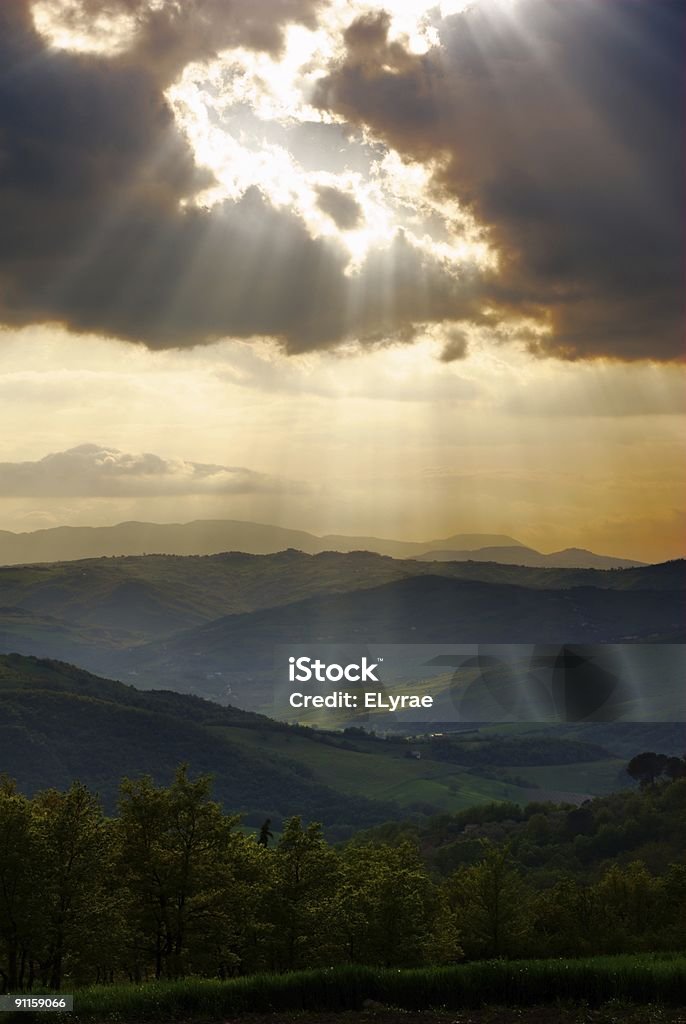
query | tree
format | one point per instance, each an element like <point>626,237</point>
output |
<point>645,768</point>
<point>492,905</point>
<point>675,768</point>
<point>75,868</point>
<point>306,875</point>
<point>265,833</point>
<point>628,897</point>
<point>672,907</point>
<point>565,920</point>
<point>580,821</point>
<point>21,919</point>
<point>389,912</point>
<point>175,858</point>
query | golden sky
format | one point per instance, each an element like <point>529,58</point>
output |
<point>405,271</point>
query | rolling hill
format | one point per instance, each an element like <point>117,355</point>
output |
<point>153,592</point>
<point>237,651</point>
<point>209,624</point>
<point>59,723</point>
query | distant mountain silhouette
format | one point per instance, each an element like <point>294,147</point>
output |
<point>411,549</point>
<point>569,558</point>
<point>212,536</point>
<point>202,537</point>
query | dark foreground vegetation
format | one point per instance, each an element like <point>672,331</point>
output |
<point>173,888</point>
<point>523,983</point>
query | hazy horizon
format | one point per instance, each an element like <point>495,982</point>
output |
<point>92,486</point>
<point>470,539</point>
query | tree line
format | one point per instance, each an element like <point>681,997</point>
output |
<point>174,886</point>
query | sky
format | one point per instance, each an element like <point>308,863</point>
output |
<point>405,270</point>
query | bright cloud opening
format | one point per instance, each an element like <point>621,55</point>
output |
<point>242,111</point>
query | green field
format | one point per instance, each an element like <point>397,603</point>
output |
<point>594,981</point>
<point>597,777</point>
<point>378,770</point>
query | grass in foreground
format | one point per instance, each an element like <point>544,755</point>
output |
<point>593,982</point>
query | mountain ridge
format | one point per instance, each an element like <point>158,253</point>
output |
<point>214,536</point>
<point>566,558</point>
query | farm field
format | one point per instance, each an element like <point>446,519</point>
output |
<point>381,772</point>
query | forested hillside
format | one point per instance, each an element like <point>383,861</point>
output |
<point>208,625</point>
<point>171,887</point>
<point>59,724</point>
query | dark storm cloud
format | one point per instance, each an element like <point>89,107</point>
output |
<point>566,144</point>
<point>166,37</point>
<point>561,128</point>
<point>92,173</point>
<point>344,211</point>
<point>92,470</point>
<point>455,347</point>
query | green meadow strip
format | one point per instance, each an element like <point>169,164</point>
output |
<point>638,979</point>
